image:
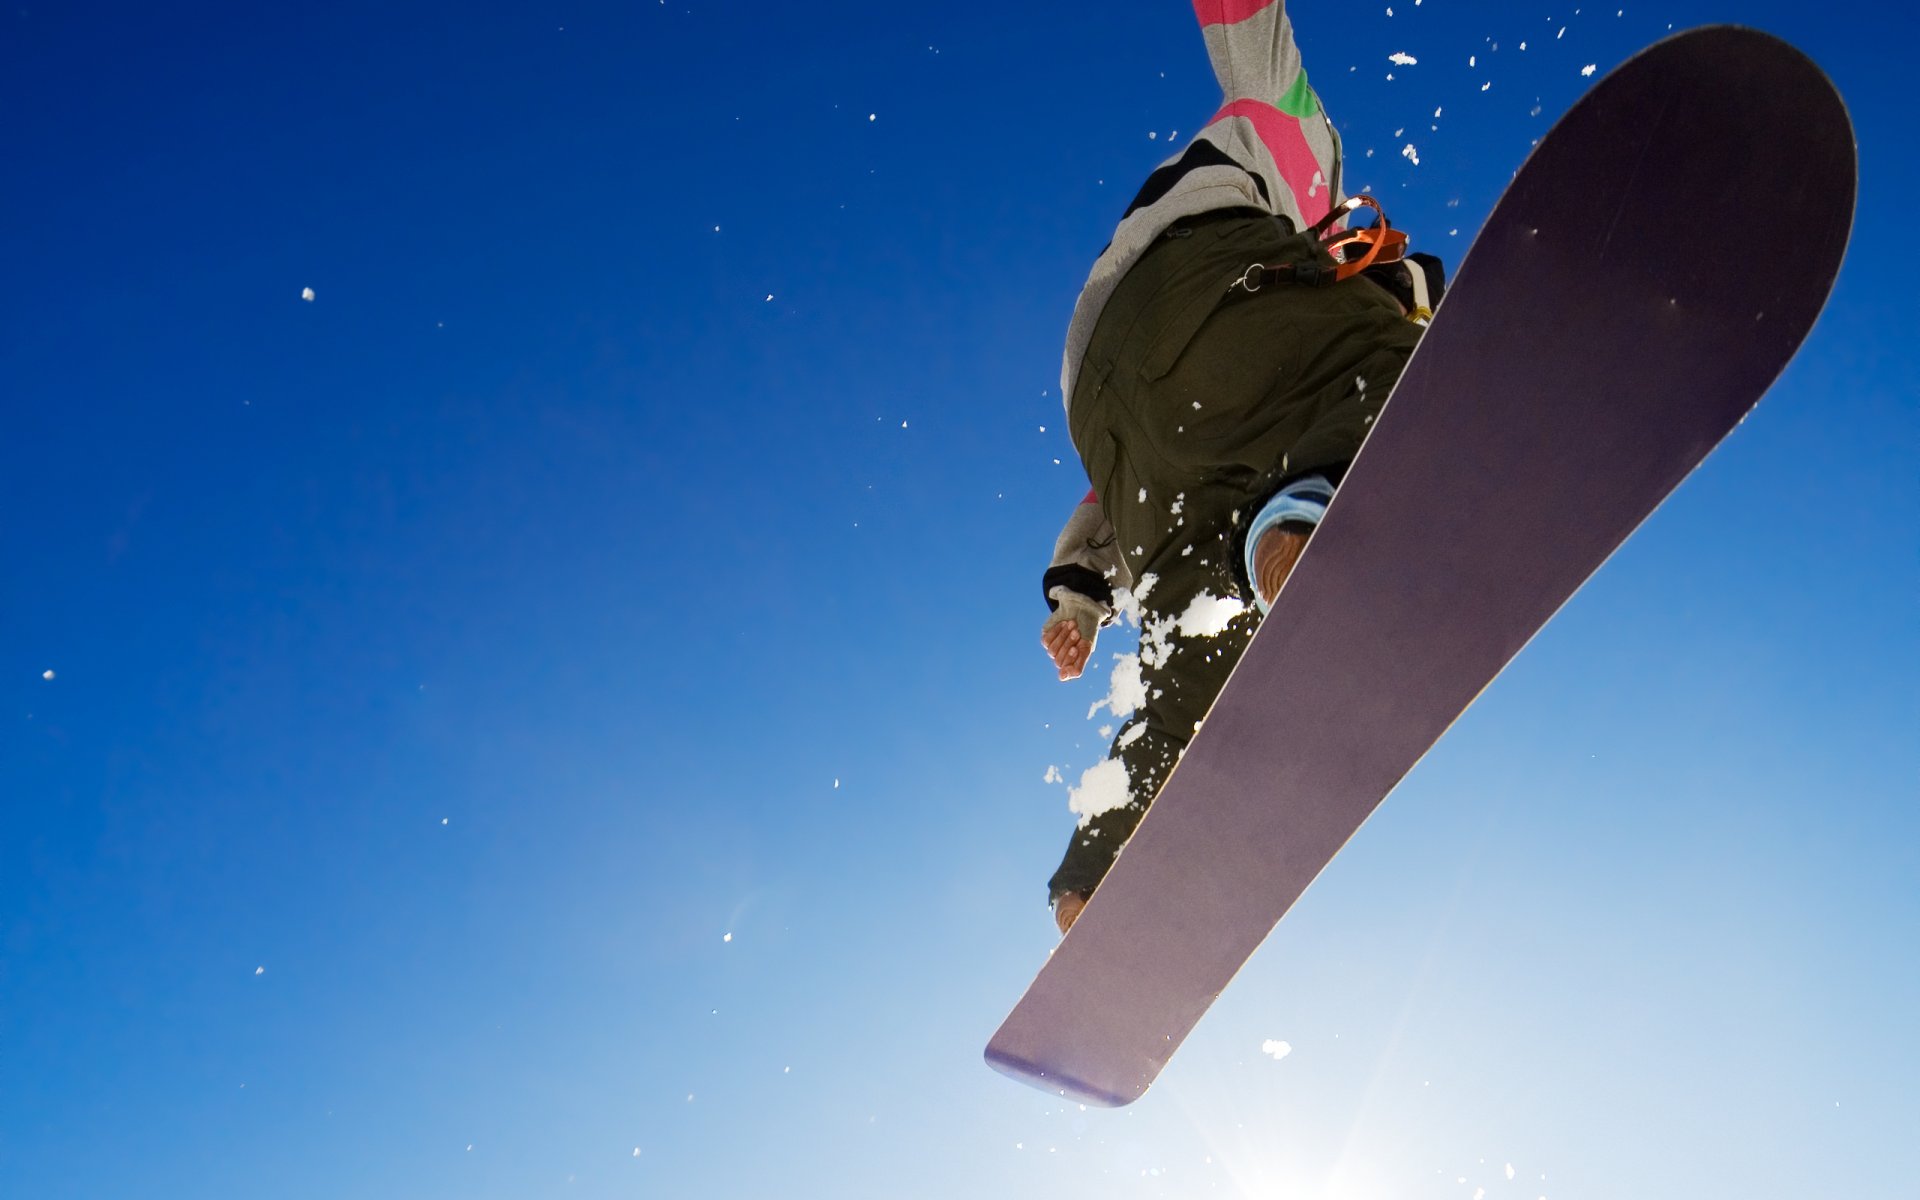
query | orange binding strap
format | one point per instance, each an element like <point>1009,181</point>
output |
<point>1384,243</point>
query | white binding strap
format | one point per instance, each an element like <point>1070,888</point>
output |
<point>1422,299</point>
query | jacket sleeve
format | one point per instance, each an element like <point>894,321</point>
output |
<point>1271,123</point>
<point>1250,44</point>
<point>1086,558</point>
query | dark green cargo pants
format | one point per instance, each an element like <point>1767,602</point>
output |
<point>1193,405</point>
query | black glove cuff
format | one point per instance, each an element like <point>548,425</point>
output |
<point>1075,578</point>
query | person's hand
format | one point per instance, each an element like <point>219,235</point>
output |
<point>1070,632</point>
<point>1066,910</point>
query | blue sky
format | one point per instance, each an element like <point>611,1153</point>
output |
<point>636,540</point>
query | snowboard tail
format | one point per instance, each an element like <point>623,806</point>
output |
<point>1588,356</point>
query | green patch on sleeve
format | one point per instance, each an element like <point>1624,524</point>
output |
<point>1299,100</point>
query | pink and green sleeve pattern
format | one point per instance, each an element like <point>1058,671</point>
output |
<point>1268,147</point>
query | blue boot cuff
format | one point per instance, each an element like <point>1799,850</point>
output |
<point>1302,502</point>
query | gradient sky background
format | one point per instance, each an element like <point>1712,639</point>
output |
<point>446,667</point>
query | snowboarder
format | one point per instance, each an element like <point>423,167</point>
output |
<point>1222,368</point>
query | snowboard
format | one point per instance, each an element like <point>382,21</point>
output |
<point>1647,275</point>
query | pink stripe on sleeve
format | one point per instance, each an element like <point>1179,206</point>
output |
<point>1287,142</point>
<point>1227,12</point>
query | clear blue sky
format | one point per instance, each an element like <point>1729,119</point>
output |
<point>444,668</point>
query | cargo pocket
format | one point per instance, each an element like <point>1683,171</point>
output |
<point>1171,340</point>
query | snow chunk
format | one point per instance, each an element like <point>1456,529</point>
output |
<point>1103,788</point>
<point>1509,1170</point>
<point>46,675</point>
<point>1209,615</point>
<point>1126,691</point>
<point>1133,735</point>
<point>1053,775</point>
<point>1589,69</point>
<point>1156,642</point>
<point>1278,1050</point>
<point>726,937</point>
<point>1411,154</point>
<point>1400,58</point>
<point>259,970</point>
<point>307,295</point>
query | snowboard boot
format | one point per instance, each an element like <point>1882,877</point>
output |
<point>1417,283</point>
<point>1066,910</point>
<point>1279,534</point>
<point>1273,558</point>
